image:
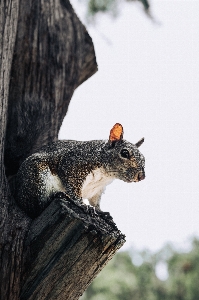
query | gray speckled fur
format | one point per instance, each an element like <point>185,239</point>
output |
<point>71,162</point>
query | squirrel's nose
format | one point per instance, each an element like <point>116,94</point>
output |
<point>141,176</point>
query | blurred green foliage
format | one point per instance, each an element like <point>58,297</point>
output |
<point>111,6</point>
<point>95,6</point>
<point>132,275</point>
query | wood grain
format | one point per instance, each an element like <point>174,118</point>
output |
<point>67,247</point>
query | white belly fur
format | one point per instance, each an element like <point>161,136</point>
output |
<point>95,183</point>
<point>52,182</point>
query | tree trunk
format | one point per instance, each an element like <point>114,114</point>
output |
<point>45,54</point>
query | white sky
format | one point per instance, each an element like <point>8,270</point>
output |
<point>148,80</point>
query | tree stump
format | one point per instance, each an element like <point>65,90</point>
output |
<point>67,246</point>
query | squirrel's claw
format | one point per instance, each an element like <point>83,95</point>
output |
<point>92,210</point>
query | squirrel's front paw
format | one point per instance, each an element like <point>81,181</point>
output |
<point>95,211</point>
<point>104,214</point>
<point>92,210</point>
<point>60,195</point>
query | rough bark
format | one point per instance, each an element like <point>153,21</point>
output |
<point>45,54</point>
<point>12,225</point>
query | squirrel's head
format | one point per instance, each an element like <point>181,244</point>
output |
<point>125,160</point>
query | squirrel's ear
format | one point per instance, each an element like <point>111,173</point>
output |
<point>139,143</point>
<point>116,133</point>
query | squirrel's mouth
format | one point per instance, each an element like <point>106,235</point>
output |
<point>138,177</point>
<point>129,178</point>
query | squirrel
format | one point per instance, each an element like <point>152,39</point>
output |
<point>79,169</point>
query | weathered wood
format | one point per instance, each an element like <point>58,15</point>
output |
<point>67,246</point>
<point>8,25</point>
<point>13,224</point>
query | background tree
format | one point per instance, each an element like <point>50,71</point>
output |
<point>133,275</point>
<point>111,6</point>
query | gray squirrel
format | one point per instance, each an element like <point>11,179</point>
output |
<point>79,169</point>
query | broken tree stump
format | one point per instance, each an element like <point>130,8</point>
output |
<point>66,247</point>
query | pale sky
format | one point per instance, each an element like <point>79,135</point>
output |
<point>148,80</point>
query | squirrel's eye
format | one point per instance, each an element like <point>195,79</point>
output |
<point>125,153</point>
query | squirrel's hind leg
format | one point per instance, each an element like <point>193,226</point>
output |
<point>36,184</point>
